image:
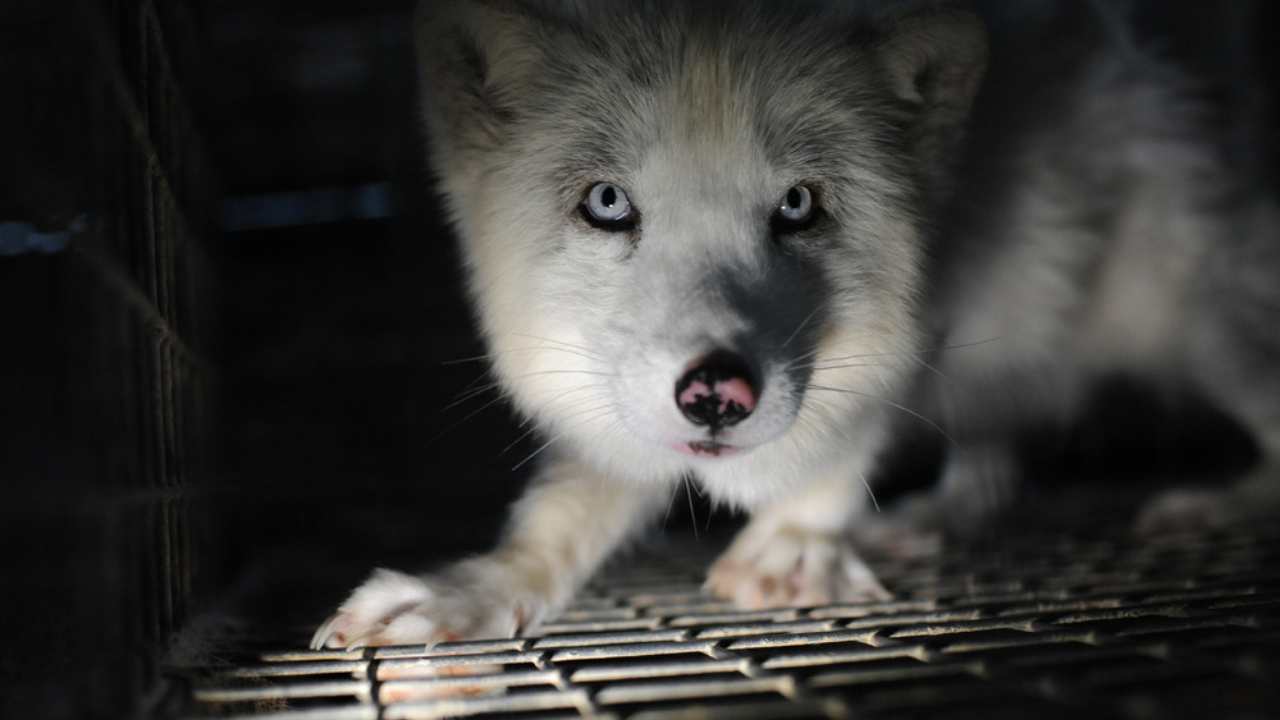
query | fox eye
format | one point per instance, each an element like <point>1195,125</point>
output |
<point>795,210</point>
<point>607,207</point>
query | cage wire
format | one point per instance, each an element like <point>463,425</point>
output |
<point>107,284</point>
<point>1050,625</point>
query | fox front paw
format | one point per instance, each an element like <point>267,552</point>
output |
<point>792,567</point>
<point>466,602</point>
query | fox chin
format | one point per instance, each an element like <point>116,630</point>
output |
<point>740,243</point>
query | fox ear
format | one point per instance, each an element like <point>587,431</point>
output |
<point>475,59</point>
<point>935,60</point>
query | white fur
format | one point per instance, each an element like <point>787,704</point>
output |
<point>706,120</point>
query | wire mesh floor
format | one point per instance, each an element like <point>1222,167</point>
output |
<point>1056,626</point>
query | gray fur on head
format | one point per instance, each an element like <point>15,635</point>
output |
<point>488,65</point>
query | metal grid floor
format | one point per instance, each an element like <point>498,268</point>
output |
<point>1057,626</point>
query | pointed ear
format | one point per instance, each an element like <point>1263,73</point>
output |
<point>476,59</point>
<point>935,61</point>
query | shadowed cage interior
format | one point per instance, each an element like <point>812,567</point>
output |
<point>106,290</point>
<point>230,315</point>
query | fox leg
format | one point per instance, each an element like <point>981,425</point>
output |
<point>559,532</point>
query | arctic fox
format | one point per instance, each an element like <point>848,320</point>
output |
<point>733,242</point>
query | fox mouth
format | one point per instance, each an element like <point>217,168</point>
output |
<point>707,448</point>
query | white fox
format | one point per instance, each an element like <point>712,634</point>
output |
<point>731,242</point>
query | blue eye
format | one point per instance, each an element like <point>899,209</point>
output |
<point>796,206</point>
<point>607,207</point>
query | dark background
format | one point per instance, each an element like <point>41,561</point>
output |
<point>212,415</point>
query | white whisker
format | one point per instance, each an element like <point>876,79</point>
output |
<point>693,517</point>
<point>875,503</point>
<point>891,404</point>
<point>596,413</point>
<point>465,418</point>
<point>467,395</point>
<point>800,327</point>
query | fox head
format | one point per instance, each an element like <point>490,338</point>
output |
<point>694,233</point>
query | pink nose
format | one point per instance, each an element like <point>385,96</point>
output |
<point>717,391</point>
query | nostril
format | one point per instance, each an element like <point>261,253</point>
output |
<point>717,391</point>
